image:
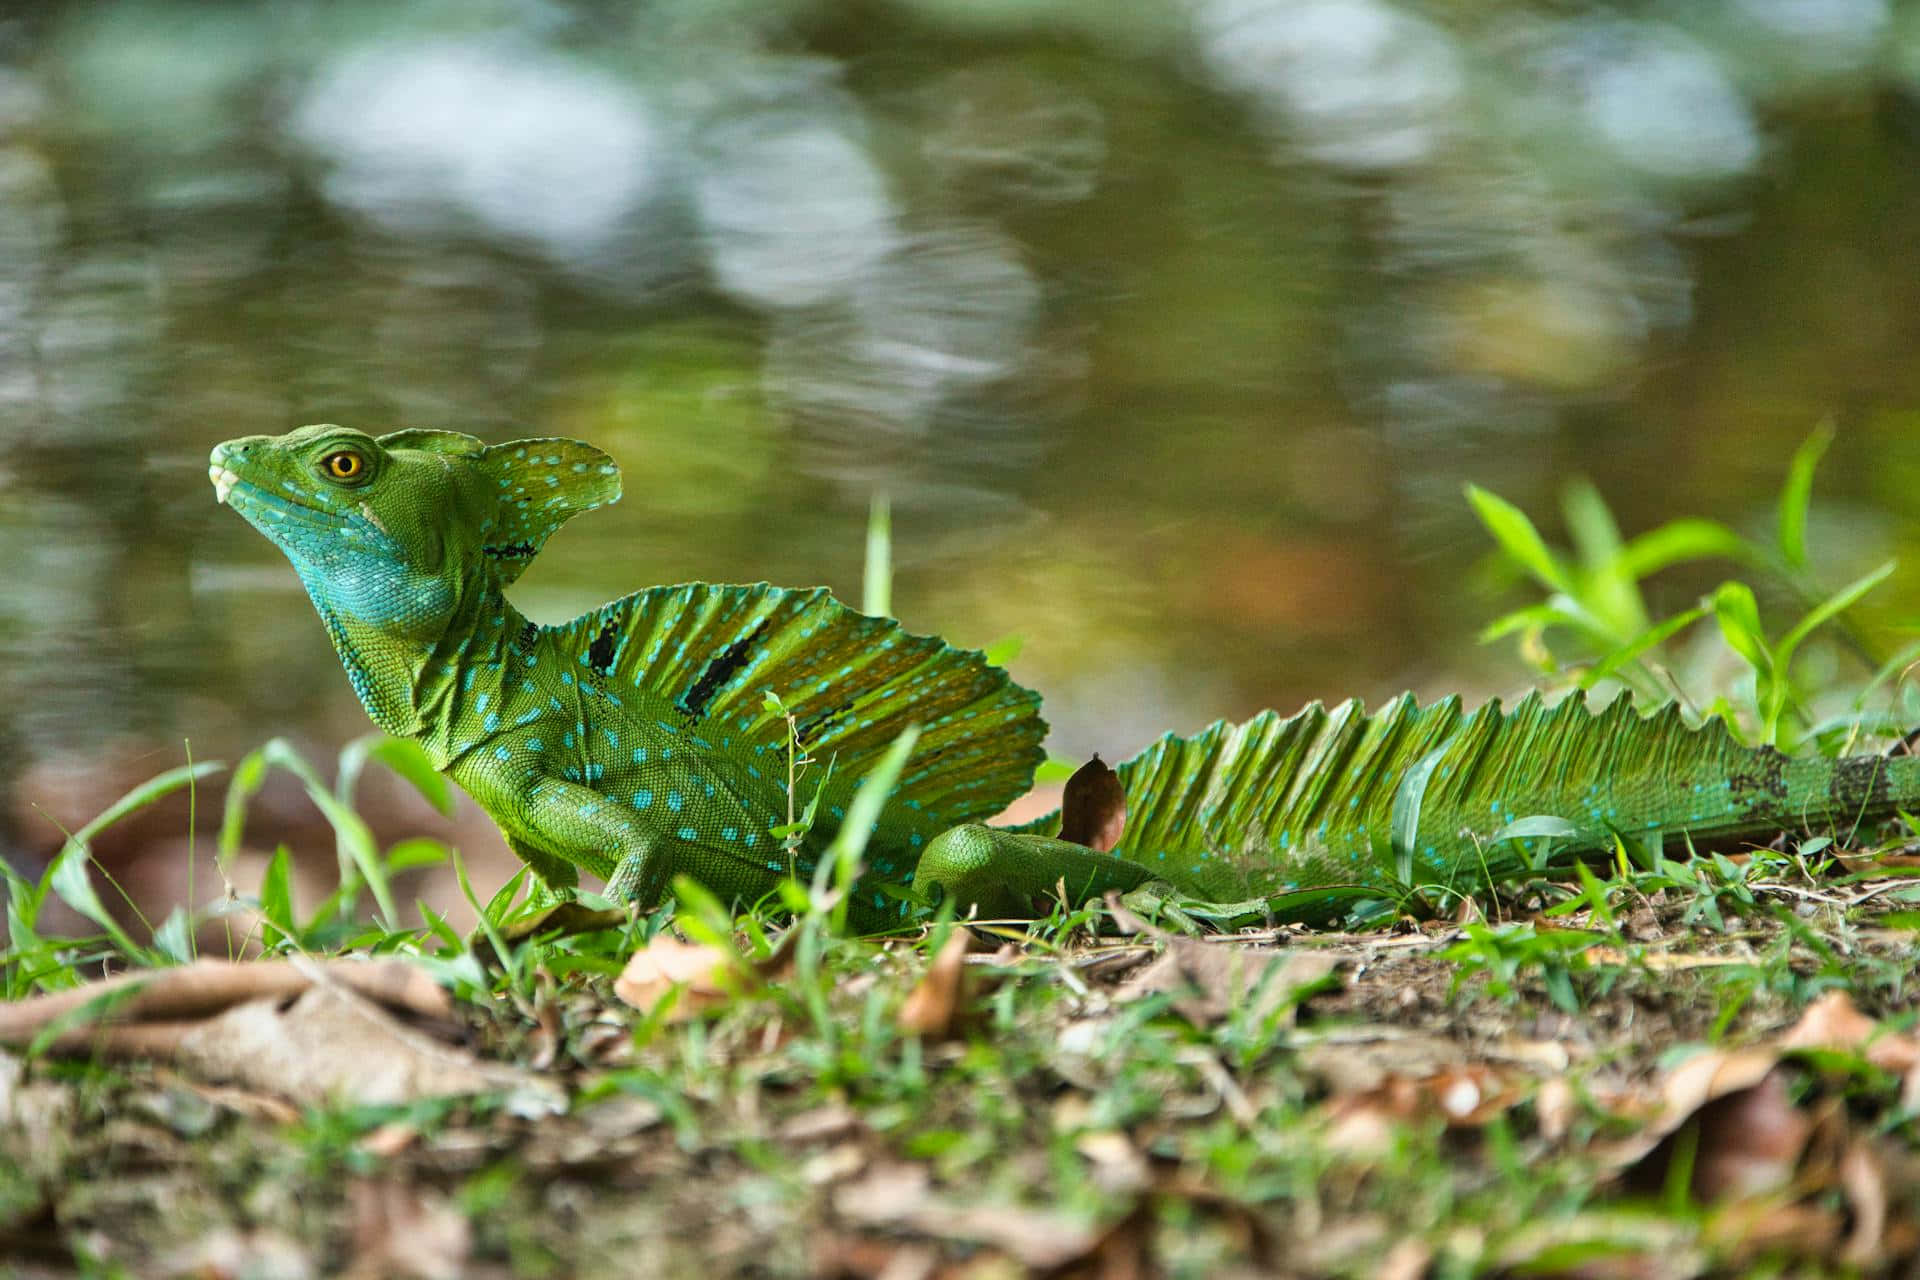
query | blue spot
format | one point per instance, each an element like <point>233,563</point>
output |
<point>534,744</point>
<point>501,753</point>
<point>492,721</point>
<point>566,739</point>
<point>674,801</point>
<point>688,833</point>
<point>643,799</point>
<point>566,677</point>
<point>639,755</point>
<point>729,833</point>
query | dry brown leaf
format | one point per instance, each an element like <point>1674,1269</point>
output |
<point>1464,1096</point>
<point>1762,1225</point>
<point>330,1046</point>
<point>1093,809</point>
<point>405,1230</point>
<point>206,988</point>
<point>1834,1022</point>
<point>227,1252</point>
<point>1690,1086</point>
<point>696,976</point>
<point>1555,1106</point>
<point>834,1120</point>
<point>1208,981</point>
<point>932,1009</point>
<point>1863,1177</point>
<point>309,1031</point>
<point>1117,1164</point>
<point>1408,1260</point>
<point>1749,1137</point>
<point>1661,961</point>
<point>900,1196</point>
<point>1751,1140</point>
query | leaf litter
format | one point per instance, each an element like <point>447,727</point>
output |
<point>1162,1104</point>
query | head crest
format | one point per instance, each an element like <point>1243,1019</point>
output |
<point>538,485</point>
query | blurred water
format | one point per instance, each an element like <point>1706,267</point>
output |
<point>1173,330</point>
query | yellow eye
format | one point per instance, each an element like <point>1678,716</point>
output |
<point>344,465</point>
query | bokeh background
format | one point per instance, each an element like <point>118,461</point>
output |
<point>1172,328</point>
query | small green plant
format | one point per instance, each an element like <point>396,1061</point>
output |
<point>1595,626</point>
<point>1504,952</point>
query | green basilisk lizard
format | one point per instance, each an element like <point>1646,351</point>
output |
<point>636,742</point>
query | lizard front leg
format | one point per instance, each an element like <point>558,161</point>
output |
<point>563,825</point>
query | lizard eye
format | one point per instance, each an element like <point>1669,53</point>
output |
<point>343,465</point>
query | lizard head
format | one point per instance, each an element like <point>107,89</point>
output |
<point>394,531</point>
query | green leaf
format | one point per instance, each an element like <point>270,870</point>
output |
<point>416,851</point>
<point>73,886</point>
<point>1003,650</point>
<point>355,839</point>
<point>850,841</point>
<point>174,938</point>
<point>410,760</point>
<point>1738,614</point>
<point>1519,539</point>
<point>1403,831</point>
<point>1053,769</point>
<point>276,893</point>
<point>1651,638</point>
<point>876,580</point>
<point>1681,540</point>
<point>1540,824</point>
<point>1796,495</point>
<point>1836,603</point>
<point>241,787</point>
<point>1595,534</point>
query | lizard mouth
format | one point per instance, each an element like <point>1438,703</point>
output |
<point>224,478</point>
<point>266,509</point>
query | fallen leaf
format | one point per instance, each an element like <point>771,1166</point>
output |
<point>1118,1166</point>
<point>405,1230</point>
<point>1749,1136</point>
<point>1864,1180</point>
<point>90,1015</point>
<point>932,1009</point>
<point>1690,1086</point>
<point>1093,809</point>
<point>306,1030</point>
<point>1555,1106</point>
<point>697,977</point>
<point>900,1196</point>
<point>1464,1096</point>
<point>1762,1226</point>
<point>1209,981</point>
<point>835,1120</point>
<point>227,1252</point>
<point>331,1046</point>
<point>1834,1022</point>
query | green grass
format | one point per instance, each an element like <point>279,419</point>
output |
<point>762,1136</point>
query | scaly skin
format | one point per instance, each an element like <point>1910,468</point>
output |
<point>633,743</point>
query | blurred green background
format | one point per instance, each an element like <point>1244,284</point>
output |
<point>1172,329</point>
